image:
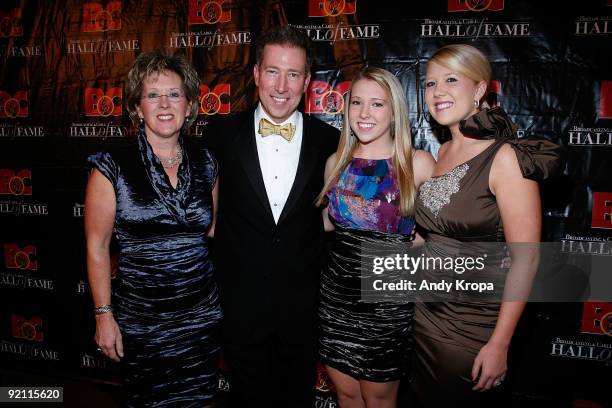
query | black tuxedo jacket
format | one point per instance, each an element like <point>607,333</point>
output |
<point>268,273</point>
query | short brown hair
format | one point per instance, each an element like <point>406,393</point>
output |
<point>285,35</point>
<point>154,63</point>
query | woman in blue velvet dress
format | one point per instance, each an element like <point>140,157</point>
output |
<point>371,185</point>
<point>158,199</point>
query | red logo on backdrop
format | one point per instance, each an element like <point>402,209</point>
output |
<point>209,11</point>
<point>222,364</point>
<point>493,93</point>
<point>14,106</point>
<point>324,383</point>
<point>10,23</point>
<point>475,5</point>
<point>27,329</point>
<point>322,98</point>
<point>20,258</point>
<point>99,18</point>
<point>100,103</point>
<point>215,101</point>
<point>601,214</point>
<point>605,100</point>
<point>597,318</point>
<point>325,8</point>
<point>16,183</point>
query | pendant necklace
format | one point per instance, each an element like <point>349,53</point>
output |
<point>170,162</point>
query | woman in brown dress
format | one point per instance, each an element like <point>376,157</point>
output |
<point>483,190</point>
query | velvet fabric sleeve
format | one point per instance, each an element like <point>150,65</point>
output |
<point>104,163</point>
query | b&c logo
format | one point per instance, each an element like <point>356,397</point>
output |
<point>324,383</point>
<point>601,214</point>
<point>330,8</point>
<point>475,5</point>
<point>493,93</point>
<point>216,100</point>
<point>100,103</point>
<point>209,11</point>
<point>10,23</point>
<point>605,100</point>
<point>597,318</point>
<point>322,98</point>
<point>13,106</point>
<point>16,183</point>
<point>20,258</point>
<point>99,18</point>
<point>27,329</point>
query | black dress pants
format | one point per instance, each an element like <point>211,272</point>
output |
<point>276,371</point>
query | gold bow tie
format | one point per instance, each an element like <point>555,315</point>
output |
<point>267,128</point>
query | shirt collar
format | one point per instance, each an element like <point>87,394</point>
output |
<point>260,113</point>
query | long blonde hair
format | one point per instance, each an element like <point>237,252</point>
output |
<point>400,133</point>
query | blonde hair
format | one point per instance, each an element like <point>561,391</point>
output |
<point>466,60</point>
<point>400,133</point>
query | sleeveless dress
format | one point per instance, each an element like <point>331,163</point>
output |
<point>165,298</point>
<point>367,340</point>
<point>459,207</point>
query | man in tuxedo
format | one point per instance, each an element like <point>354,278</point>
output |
<point>269,239</point>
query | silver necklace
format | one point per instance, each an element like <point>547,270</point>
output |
<point>170,162</point>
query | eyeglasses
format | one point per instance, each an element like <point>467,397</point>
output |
<point>154,97</point>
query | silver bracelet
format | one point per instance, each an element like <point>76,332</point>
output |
<point>103,309</point>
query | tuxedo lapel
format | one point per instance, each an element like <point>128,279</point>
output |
<point>306,164</point>
<point>249,159</point>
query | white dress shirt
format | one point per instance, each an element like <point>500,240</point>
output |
<point>278,160</point>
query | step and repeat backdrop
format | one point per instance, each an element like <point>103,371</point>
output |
<point>63,67</point>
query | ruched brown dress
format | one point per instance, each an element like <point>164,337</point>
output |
<point>459,207</point>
